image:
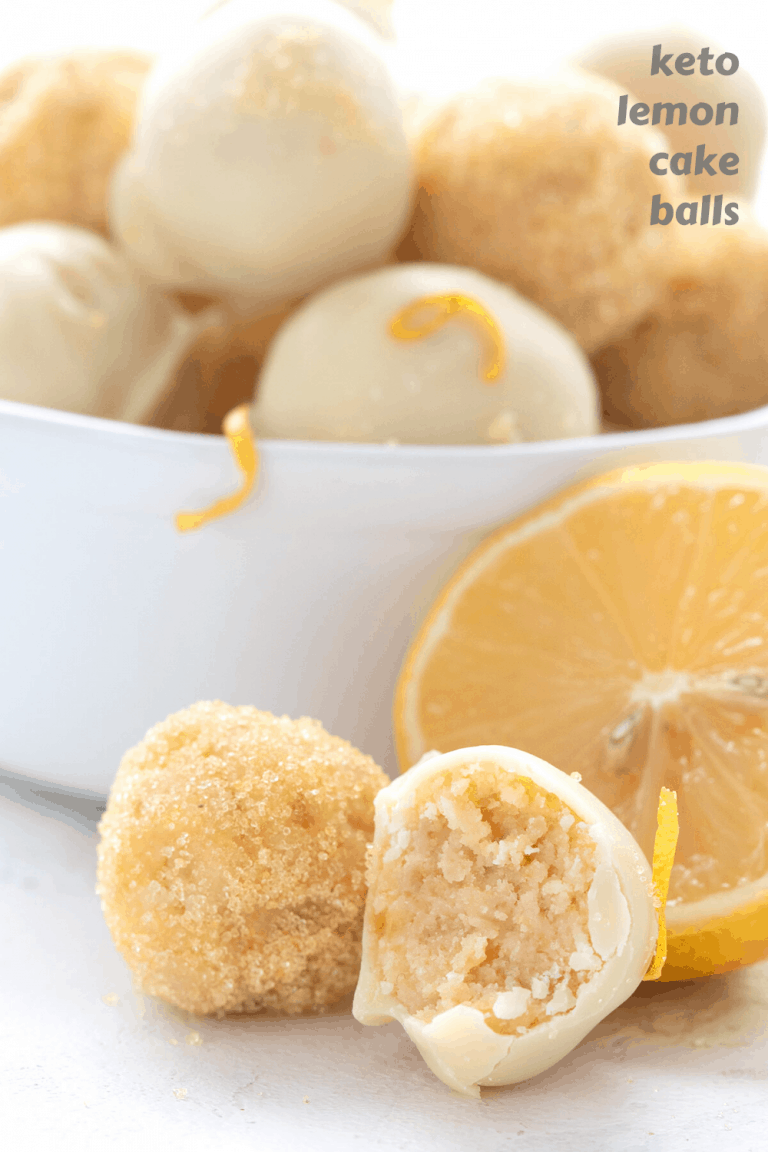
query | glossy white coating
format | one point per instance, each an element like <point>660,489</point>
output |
<point>80,330</point>
<point>269,155</point>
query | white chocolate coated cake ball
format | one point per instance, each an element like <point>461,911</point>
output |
<point>79,330</point>
<point>269,156</point>
<point>508,912</point>
<point>336,371</point>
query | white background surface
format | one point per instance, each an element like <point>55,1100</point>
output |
<point>676,1068</point>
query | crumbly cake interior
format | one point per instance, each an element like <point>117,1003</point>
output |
<point>479,897</point>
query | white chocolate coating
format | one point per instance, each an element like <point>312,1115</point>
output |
<point>334,371</point>
<point>457,1044</point>
<point>269,155</point>
<point>79,330</point>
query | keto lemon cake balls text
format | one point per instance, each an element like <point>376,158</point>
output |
<point>232,860</point>
<point>696,94</point>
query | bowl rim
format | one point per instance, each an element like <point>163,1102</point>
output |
<point>400,453</point>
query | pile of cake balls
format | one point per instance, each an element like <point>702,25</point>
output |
<point>261,216</point>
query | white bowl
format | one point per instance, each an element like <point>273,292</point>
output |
<point>302,602</point>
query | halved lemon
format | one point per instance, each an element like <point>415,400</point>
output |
<point>620,630</point>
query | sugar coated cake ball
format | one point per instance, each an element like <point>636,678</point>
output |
<point>64,123</point>
<point>686,105</point>
<point>702,351</point>
<point>269,157</point>
<point>232,860</point>
<point>534,183</point>
<point>508,912</point>
<point>424,354</point>
<point>80,330</point>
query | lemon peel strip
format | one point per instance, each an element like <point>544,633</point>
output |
<point>445,306</point>
<point>667,830</point>
<point>236,426</point>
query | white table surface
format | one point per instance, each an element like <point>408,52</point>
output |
<point>87,1063</point>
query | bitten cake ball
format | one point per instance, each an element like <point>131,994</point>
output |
<point>269,157</point>
<point>80,331</point>
<point>424,354</point>
<point>508,912</point>
<point>686,106</point>
<point>537,185</point>
<point>232,860</point>
<point>702,351</point>
<point>64,122</point>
